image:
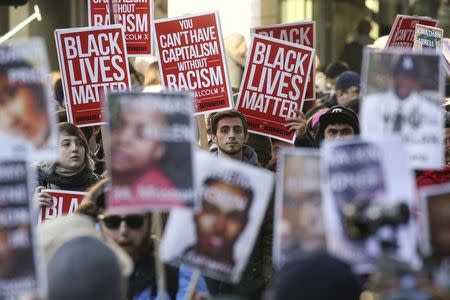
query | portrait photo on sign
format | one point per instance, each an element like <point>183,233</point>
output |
<point>435,212</point>
<point>402,95</point>
<point>299,226</point>
<point>218,238</point>
<point>20,268</point>
<point>368,191</point>
<point>151,149</point>
<point>26,112</point>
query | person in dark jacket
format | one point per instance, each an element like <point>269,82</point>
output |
<point>316,276</point>
<point>74,171</point>
<point>229,132</point>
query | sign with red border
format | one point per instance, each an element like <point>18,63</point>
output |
<point>135,16</point>
<point>274,85</point>
<point>302,33</point>
<point>64,203</point>
<point>192,58</point>
<point>92,60</point>
<point>403,29</point>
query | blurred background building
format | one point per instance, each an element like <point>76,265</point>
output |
<point>336,20</point>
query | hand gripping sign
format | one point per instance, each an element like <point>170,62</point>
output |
<point>92,61</point>
<point>64,203</point>
<point>136,19</point>
<point>302,33</point>
<point>274,85</point>
<point>192,58</point>
<point>402,31</point>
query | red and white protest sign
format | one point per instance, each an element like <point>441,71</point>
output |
<point>64,203</point>
<point>135,17</point>
<point>302,33</point>
<point>192,58</point>
<point>274,85</point>
<point>403,29</point>
<point>92,60</point>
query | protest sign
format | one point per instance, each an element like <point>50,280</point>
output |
<point>368,191</point>
<point>27,119</point>
<point>298,226</point>
<point>92,60</point>
<point>218,239</point>
<point>135,16</point>
<point>402,95</point>
<point>64,203</point>
<point>302,33</point>
<point>446,55</point>
<point>192,58</point>
<point>435,210</point>
<point>20,270</point>
<point>426,37</point>
<point>151,139</point>
<point>402,31</point>
<point>273,86</point>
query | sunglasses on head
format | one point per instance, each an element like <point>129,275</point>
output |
<point>132,221</point>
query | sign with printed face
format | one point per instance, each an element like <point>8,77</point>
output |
<point>302,33</point>
<point>219,238</point>
<point>368,191</point>
<point>299,225</point>
<point>402,96</point>
<point>92,60</point>
<point>151,163</point>
<point>27,118</point>
<point>135,16</point>
<point>274,85</point>
<point>64,203</point>
<point>435,210</point>
<point>21,271</point>
<point>192,58</point>
<point>426,37</point>
<point>403,29</point>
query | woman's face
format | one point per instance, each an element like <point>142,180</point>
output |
<point>131,150</point>
<point>71,152</point>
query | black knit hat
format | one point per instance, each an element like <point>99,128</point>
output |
<point>84,268</point>
<point>316,276</point>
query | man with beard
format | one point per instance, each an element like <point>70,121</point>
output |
<point>229,133</point>
<point>132,233</point>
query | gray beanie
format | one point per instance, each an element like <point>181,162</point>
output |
<point>84,268</point>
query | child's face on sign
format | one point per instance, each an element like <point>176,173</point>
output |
<point>20,114</point>
<point>131,150</point>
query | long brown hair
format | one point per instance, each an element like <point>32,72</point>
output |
<point>71,129</point>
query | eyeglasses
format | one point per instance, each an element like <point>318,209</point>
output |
<point>132,221</point>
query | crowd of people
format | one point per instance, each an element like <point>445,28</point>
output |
<point>95,254</point>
